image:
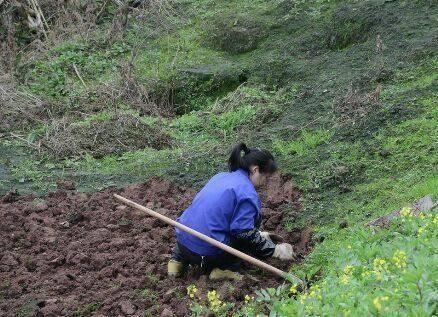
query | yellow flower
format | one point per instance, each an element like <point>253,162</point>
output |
<point>377,302</point>
<point>303,298</point>
<point>248,298</point>
<point>345,279</point>
<point>380,266</point>
<point>420,231</point>
<point>293,289</point>
<point>399,259</point>
<point>211,295</point>
<point>215,302</point>
<point>405,212</point>
<point>348,269</point>
<point>315,287</point>
<point>379,262</point>
<point>191,290</point>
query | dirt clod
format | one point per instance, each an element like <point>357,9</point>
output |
<point>166,313</point>
<point>127,308</point>
<point>84,251</point>
<point>10,197</point>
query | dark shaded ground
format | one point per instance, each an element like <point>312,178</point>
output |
<point>81,254</point>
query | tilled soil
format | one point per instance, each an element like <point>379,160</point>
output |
<point>82,254</point>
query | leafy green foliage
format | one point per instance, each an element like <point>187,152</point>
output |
<point>390,271</point>
<point>229,121</point>
<point>50,77</point>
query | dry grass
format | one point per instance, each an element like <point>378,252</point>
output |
<point>19,108</point>
<point>122,132</point>
<point>354,106</point>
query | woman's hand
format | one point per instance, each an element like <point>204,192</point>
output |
<point>276,238</point>
<point>284,251</point>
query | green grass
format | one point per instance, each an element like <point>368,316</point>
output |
<point>307,141</point>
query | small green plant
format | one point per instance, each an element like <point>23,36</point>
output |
<point>124,222</point>
<point>230,121</point>
<point>149,294</point>
<point>27,309</point>
<point>4,286</point>
<point>86,310</point>
<point>307,141</point>
<point>151,277</point>
<point>267,297</point>
<point>214,304</point>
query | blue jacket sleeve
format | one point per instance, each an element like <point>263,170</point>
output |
<point>245,234</point>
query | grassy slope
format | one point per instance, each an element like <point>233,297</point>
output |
<point>307,55</point>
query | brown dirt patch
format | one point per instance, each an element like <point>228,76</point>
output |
<point>82,254</point>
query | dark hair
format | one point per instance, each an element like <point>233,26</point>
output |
<point>261,158</point>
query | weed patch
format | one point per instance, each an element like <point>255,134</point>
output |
<point>67,64</point>
<point>102,134</point>
<point>372,272</point>
<point>306,142</point>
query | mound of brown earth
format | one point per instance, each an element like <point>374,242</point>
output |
<point>81,254</point>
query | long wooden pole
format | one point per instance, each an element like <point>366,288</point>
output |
<point>212,241</point>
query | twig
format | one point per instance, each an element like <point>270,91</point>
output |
<point>101,10</point>
<point>38,7</point>
<point>175,57</point>
<point>25,140</point>
<point>35,6</point>
<point>121,143</point>
<point>79,75</point>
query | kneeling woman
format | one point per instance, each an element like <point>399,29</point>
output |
<point>228,209</point>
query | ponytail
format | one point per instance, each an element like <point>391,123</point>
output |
<point>261,158</point>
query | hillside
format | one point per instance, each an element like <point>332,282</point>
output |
<point>106,94</point>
